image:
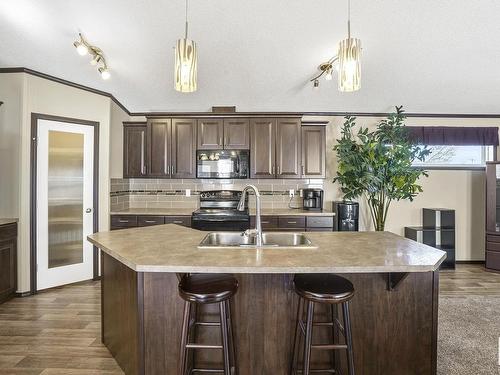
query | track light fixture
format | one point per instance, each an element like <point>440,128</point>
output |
<point>347,62</point>
<point>83,48</point>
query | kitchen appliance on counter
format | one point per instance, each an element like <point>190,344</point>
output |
<point>346,216</point>
<point>312,199</point>
<point>222,164</point>
<point>218,212</point>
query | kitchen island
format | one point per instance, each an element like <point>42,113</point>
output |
<point>394,311</point>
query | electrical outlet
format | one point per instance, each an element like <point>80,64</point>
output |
<point>188,192</point>
<point>291,193</point>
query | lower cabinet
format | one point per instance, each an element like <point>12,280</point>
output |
<point>8,261</point>
<point>295,223</point>
<point>131,221</point>
<point>493,251</point>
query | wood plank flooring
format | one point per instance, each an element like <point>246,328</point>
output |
<point>57,332</point>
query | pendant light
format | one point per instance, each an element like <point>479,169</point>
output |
<point>349,55</point>
<point>186,62</point>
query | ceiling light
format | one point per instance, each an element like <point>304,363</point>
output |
<point>347,62</point>
<point>186,62</point>
<point>83,47</point>
<point>104,73</point>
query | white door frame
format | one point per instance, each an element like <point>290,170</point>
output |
<point>93,217</point>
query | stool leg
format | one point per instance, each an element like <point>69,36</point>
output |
<point>308,339</point>
<point>224,334</point>
<point>234,369</point>
<point>333,309</point>
<point>296,338</point>
<point>184,338</point>
<point>348,337</point>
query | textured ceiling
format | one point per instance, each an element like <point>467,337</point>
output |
<point>431,56</point>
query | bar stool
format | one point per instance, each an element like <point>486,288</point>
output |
<point>326,289</point>
<point>198,289</point>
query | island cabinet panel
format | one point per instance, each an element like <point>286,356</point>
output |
<point>122,310</point>
<point>237,134</point>
<point>262,148</point>
<point>288,148</point>
<point>183,148</point>
<point>134,151</point>
<point>210,134</point>
<point>394,332</point>
<point>313,152</point>
<point>8,261</point>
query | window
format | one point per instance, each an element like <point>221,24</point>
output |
<point>457,156</point>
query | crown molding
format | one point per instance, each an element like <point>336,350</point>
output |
<point>240,114</point>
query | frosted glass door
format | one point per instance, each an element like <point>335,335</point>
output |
<point>64,203</point>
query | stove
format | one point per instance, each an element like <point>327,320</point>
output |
<point>218,212</point>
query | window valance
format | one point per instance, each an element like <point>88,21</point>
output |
<point>454,135</point>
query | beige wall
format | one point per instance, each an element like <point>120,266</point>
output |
<point>462,190</point>
<point>47,97</point>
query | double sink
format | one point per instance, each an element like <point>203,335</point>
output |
<point>269,240</point>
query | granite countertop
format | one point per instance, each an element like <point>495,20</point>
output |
<point>172,248</point>
<point>4,221</point>
<point>189,211</point>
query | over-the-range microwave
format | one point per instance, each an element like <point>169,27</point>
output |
<point>222,164</point>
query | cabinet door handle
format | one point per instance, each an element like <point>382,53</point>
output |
<point>279,170</point>
<point>173,169</point>
<point>123,221</point>
<point>220,141</point>
<point>265,222</point>
<point>272,169</point>
<point>150,221</point>
<point>177,221</point>
<point>291,222</point>
<point>303,171</point>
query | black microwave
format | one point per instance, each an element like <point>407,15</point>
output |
<point>222,164</point>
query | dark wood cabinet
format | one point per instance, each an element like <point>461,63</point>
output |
<point>288,148</point>
<point>134,150</point>
<point>132,221</point>
<point>217,134</point>
<point>170,148</point>
<point>8,261</point>
<point>313,152</point>
<point>262,148</point>
<point>210,134</point>
<point>237,134</point>
<point>275,148</point>
<point>183,157</point>
<point>158,148</point>
<point>492,255</point>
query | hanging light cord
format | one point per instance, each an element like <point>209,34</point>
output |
<point>186,35</point>
<point>349,19</point>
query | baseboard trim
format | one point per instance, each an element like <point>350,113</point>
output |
<point>470,262</point>
<point>23,294</point>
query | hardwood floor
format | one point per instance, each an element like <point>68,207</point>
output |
<point>57,332</point>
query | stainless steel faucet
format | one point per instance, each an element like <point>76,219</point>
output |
<point>241,206</point>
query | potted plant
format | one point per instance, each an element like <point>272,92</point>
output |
<point>378,164</point>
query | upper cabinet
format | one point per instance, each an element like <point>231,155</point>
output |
<point>183,156</point>
<point>275,148</point>
<point>313,152</point>
<point>279,147</point>
<point>134,150</point>
<point>237,134</point>
<point>162,148</point>
<point>288,148</point>
<point>159,147</point>
<point>210,134</point>
<point>217,134</point>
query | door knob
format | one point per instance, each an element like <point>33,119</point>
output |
<point>88,210</point>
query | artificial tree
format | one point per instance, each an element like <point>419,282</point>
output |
<point>378,164</point>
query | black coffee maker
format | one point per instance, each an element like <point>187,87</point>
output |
<point>312,199</point>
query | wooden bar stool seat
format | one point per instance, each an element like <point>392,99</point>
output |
<point>199,289</point>
<point>328,289</point>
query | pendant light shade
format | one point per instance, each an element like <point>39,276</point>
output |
<point>186,65</point>
<point>349,55</point>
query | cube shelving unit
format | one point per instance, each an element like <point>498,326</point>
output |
<point>438,231</point>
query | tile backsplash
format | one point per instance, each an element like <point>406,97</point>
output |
<point>169,193</point>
